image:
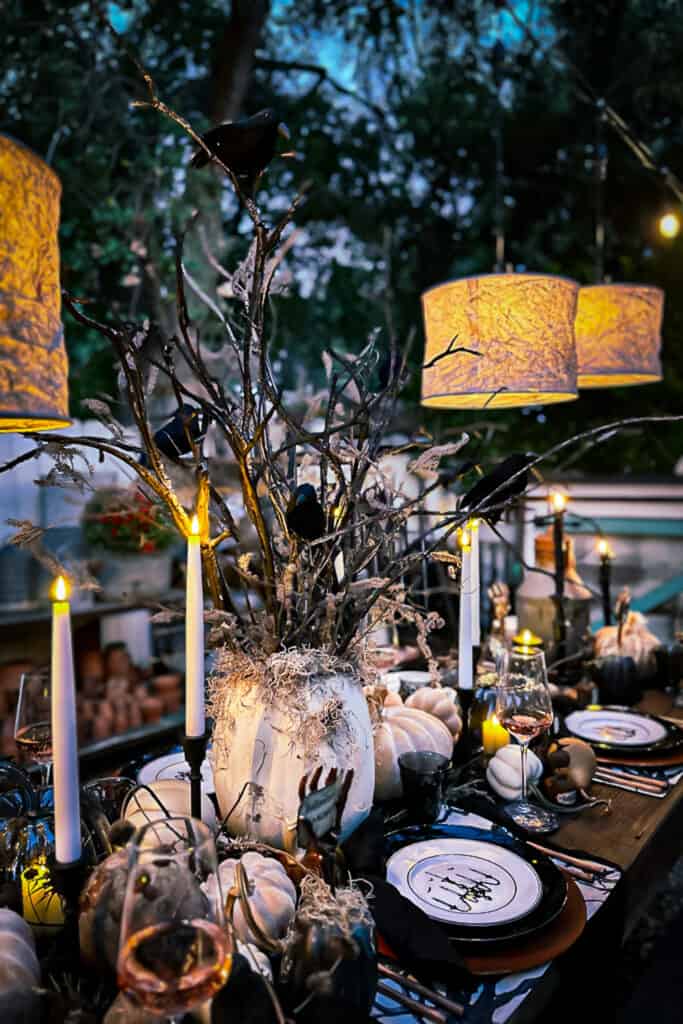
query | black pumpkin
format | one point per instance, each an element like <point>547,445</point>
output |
<point>616,677</point>
<point>335,978</point>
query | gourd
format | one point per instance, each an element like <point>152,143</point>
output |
<point>20,998</point>
<point>632,638</point>
<point>101,905</point>
<point>163,799</point>
<point>263,906</point>
<point>616,676</point>
<point>572,762</point>
<point>504,771</point>
<point>441,702</point>
<point>19,968</point>
<point>403,729</point>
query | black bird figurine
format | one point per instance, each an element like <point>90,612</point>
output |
<point>172,439</point>
<point>246,146</point>
<point>305,516</point>
<point>496,481</point>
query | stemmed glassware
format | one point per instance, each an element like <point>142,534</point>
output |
<point>175,950</point>
<point>33,723</point>
<point>524,708</point>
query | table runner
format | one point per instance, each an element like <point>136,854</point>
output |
<point>495,999</point>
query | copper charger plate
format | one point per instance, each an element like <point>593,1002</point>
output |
<point>671,760</point>
<point>531,951</point>
<point>539,947</point>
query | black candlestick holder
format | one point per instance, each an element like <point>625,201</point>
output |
<point>195,752</point>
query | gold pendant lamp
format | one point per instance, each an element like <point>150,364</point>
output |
<point>33,361</point>
<point>513,342</point>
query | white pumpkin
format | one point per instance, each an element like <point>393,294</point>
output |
<point>272,896</point>
<point>19,967</point>
<point>403,729</point>
<point>504,771</point>
<point>141,807</point>
<point>259,758</point>
<point>441,702</point>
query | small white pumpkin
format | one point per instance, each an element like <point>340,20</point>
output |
<point>19,967</point>
<point>403,729</point>
<point>272,896</point>
<point>441,702</point>
<point>504,771</point>
<point>141,807</point>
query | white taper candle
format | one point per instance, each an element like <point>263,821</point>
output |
<point>195,723</point>
<point>64,741</point>
<point>465,630</point>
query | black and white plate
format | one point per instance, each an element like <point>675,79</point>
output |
<point>610,728</point>
<point>484,886</point>
<point>174,766</point>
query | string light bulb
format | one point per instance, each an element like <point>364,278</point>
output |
<point>669,225</point>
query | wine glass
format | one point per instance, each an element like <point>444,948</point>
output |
<point>524,707</point>
<point>33,722</point>
<point>176,949</point>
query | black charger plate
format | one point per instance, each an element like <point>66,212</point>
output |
<point>671,742</point>
<point>553,883</point>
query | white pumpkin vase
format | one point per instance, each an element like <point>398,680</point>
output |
<point>267,736</point>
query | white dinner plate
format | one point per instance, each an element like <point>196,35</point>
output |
<point>174,766</point>
<point>465,881</point>
<point>617,728</point>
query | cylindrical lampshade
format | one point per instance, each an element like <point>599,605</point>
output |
<point>521,326</point>
<point>33,363</point>
<point>618,334</point>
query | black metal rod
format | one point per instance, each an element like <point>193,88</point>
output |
<point>194,748</point>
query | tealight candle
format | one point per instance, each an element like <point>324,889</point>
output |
<point>64,742</point>
<point>195,722</point>
<point>527,642</point>
<point>493,735</point>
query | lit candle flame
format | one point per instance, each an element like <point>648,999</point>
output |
<point>60,589</point>
<point>558,501</point>
<point>194,525</point>
<point>464,539</point>
<point>526,636</point>
<point>473,524</point>
<point>603,548</point>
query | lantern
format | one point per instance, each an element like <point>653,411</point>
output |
<point>513,342</point>
<point>618,335</point>
<point>33,362</point>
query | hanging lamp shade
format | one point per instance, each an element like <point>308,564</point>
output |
<point>518,333</point>
<point>618,335</point>
<point>33,362</point>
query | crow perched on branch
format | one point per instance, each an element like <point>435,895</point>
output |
<point>246,146</point>
<point>305,515</point>
<point>172,439</point>
<point>498,478</point>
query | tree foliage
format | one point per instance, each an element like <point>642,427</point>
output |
<point>394,132</point>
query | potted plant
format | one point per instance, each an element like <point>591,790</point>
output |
<point>132,537</point>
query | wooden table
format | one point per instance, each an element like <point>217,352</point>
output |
<point>642,835</point>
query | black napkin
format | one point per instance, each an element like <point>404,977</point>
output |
<point>421,945</point>
<point>243,998</point>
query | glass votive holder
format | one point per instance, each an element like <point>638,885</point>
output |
<point>423,775</point>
